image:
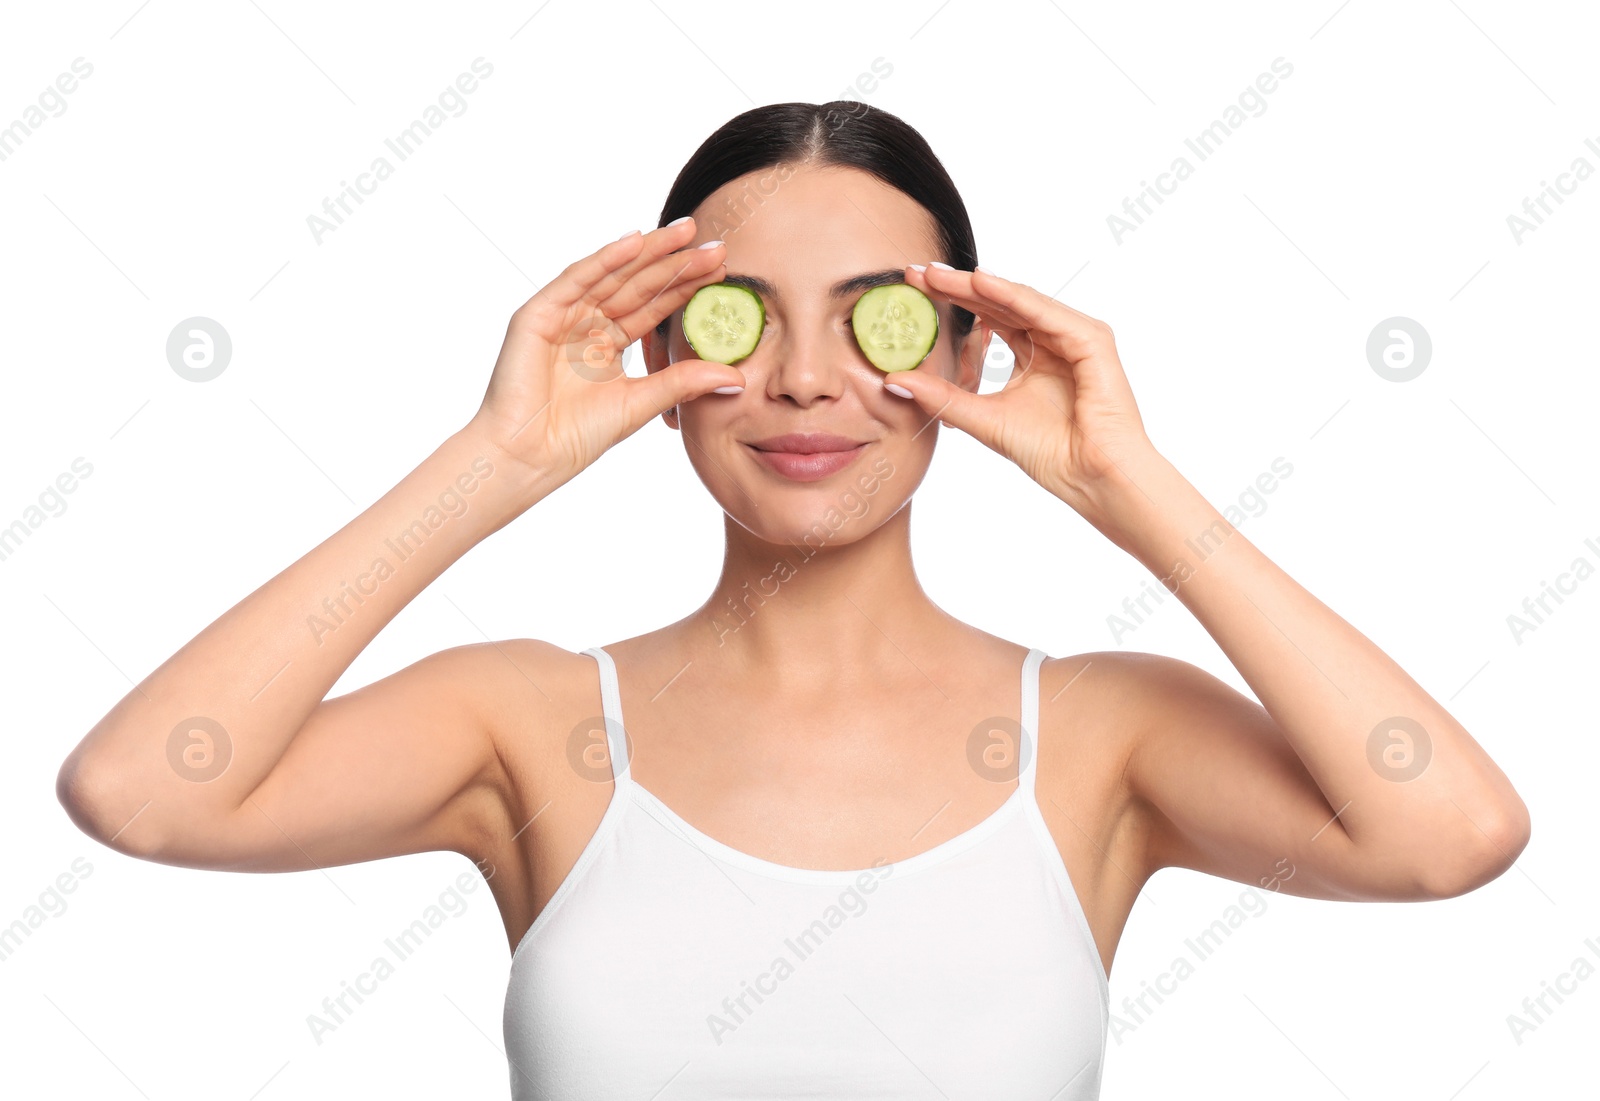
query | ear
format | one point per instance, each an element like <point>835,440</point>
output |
<point>656,358</point>
<point>973,352</point>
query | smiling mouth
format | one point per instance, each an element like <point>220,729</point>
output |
<point>812,451</point>
<point>807,466</point>
<point>803,443</point>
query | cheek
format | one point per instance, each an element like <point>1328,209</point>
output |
<point>708,419</point>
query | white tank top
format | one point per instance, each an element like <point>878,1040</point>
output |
<point>669,966</point>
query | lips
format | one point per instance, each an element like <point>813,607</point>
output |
<point>807,457</point>
<point>807,443</point>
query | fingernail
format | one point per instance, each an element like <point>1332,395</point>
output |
<point>946,267</point>
<point>985,270</point>
<point>919,267</point>
<point>728,390</point>
<point>709,244</point>
<point>628,234</point>
<point>676,222</point>
<point>896,388</point>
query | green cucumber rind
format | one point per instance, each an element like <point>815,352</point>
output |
<point>701,300</point>
<point>892,361</point>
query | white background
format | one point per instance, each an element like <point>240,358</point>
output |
<point>1377,183</point>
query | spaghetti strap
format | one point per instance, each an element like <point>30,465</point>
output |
<point>1028,741</point>
<point>611,704</point>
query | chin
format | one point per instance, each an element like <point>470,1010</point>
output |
<point>833,510</point>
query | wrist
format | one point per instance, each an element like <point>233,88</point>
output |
<point>1128,501</point>
<point>507,486</point>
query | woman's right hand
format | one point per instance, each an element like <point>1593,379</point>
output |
<point>558,397</point>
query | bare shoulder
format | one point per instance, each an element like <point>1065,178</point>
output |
<point>1119,695</point>
<point>542,708</point>
<point>1205,779</point>
<point>1095,709</point>
<point>524,680</point>
<point>1103,698</point>
<point>529,694</point>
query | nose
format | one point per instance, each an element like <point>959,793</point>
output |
<point>808,363</point>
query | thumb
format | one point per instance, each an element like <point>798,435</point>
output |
<point>953,406</point>
<point>649,397</point>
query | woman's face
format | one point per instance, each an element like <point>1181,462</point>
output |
<point>801,232</point>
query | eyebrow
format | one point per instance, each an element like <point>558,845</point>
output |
<point>844,288</point>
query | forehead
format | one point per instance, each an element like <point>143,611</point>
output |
<point>816,232</point>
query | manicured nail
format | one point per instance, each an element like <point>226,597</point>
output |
<point>676,222</point>
<point>946,267</point>
<point>896,388</point>
<point>709,244</point>
<point>919,267</point>
<point>985,270</point>
<point>728,390</point>
<point>628,234</point>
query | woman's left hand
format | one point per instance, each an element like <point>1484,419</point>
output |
<point>1067,415</point>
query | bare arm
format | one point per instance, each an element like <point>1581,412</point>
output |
<point>169,773</point>
<point>1348,776</point>
<point>1347,768</point>
<point>228,755</point>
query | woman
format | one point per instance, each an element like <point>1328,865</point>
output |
<point>845,844</point>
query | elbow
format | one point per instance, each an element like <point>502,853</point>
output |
<point>74,794</point>
<point>1483,856</point>
<point>95,802</point>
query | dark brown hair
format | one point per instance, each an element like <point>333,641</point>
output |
<point>840,132</point>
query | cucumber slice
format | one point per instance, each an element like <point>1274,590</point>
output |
<point>896,326</point>
<point>723,322</point>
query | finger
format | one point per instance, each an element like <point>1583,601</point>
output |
<point>962,297</point>
<point>665,303</point>
<point>1034,307</point>
<point>1077,333</point>
<point>1023,350</point>
<point>600,335</point>
<point>693,267</point>
<point>580,276</point>
<point>1021,343</point>
<point>939,397</point>
<point>646,398</point>
<point>658,243</point>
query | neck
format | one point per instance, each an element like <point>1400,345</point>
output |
<point>818,608</point>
